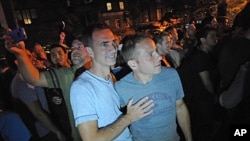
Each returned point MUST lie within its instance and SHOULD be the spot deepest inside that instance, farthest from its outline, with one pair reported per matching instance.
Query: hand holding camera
(14, 40)
(18, 35)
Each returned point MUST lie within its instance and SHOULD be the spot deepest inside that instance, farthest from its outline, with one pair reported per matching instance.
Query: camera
(18, 34)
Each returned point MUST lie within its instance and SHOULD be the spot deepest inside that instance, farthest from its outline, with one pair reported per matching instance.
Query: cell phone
(18, 34)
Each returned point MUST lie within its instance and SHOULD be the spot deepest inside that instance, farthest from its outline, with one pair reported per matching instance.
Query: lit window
(117, 23)
(109, 6)
(121, 5)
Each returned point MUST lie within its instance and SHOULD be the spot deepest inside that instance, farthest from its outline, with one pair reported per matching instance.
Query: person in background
(94, 101)
(54, 98)
(200, 68)
(177, 52)
(236, 46)
(39, 57)
(43, 78)
(163, 46)
(34, 99)
(161, 84)
(59, 56)
(80, 57)
(236, 52)
(175, 37)
(190, 39)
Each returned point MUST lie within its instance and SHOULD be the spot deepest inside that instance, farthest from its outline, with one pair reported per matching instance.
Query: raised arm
(89, 131)
(30, 73)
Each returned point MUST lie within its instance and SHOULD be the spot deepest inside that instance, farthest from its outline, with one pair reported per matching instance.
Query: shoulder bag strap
(57, 81)
(52, 77)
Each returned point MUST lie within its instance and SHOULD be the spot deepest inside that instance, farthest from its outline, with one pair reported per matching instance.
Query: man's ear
(90, 52)
(132, 64)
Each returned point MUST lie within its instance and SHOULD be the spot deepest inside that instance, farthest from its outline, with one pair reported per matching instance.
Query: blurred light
(27, 21)
(121, 5)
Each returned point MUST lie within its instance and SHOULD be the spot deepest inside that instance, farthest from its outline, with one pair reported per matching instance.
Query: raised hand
(62, 37)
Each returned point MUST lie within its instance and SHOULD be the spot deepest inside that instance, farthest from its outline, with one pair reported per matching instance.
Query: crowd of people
(150, 85)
